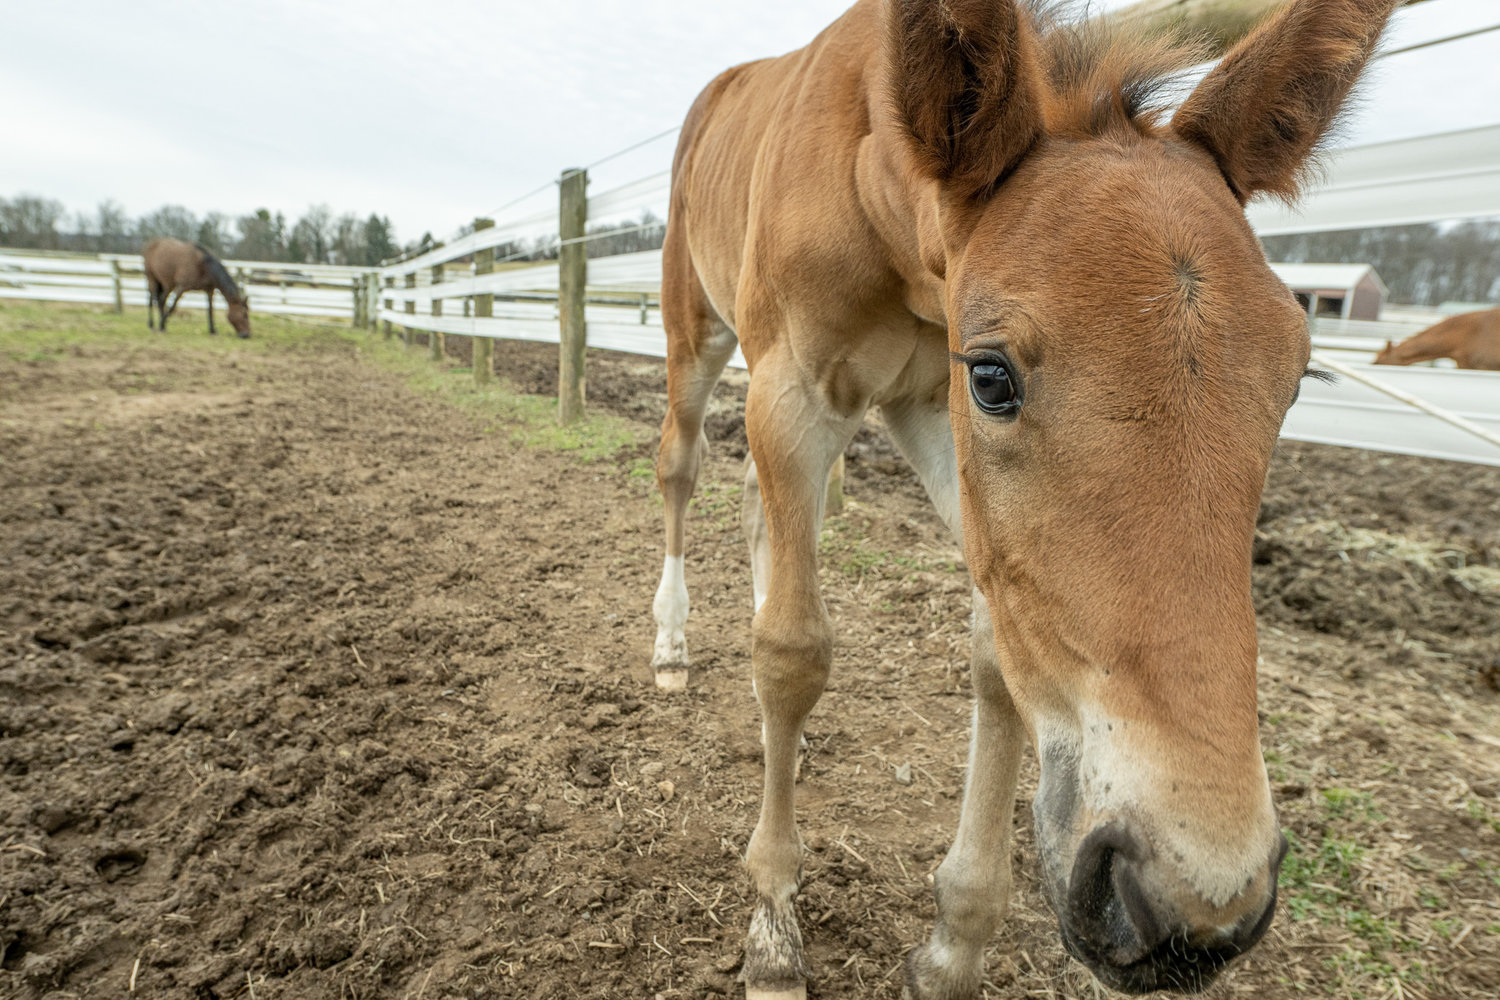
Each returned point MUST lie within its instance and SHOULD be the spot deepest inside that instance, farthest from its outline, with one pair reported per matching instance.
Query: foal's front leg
(794, 441)
(973, 883)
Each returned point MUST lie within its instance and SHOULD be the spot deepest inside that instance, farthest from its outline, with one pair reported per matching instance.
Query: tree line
(31, 222)
(604, 240)
(1421, 264)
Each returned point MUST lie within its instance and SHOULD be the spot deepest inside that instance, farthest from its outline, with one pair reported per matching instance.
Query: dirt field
(322, 676)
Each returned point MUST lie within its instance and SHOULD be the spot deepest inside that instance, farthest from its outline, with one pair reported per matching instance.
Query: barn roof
(1326, 276)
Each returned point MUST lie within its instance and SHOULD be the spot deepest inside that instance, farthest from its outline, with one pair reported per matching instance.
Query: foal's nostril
(1105, 900)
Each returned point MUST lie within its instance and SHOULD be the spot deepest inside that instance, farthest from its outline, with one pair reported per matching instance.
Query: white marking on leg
(670, 656)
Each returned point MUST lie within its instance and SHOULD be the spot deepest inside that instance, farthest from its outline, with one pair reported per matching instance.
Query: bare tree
(113, 227)
(30, 221)
(311, 240)
(169, 220)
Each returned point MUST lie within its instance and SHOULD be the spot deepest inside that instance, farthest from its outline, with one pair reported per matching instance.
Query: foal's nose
(1108, 908)
(1118, 923)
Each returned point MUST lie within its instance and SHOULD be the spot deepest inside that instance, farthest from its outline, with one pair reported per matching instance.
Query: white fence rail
(316, 290)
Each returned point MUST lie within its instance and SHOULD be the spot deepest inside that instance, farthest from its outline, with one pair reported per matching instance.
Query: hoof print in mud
(119, 864)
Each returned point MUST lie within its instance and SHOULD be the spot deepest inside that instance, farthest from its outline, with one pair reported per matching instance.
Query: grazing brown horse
(179, 266)
(982, 221)
(1471, 339)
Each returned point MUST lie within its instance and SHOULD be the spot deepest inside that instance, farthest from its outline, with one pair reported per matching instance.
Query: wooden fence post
(435, 337)
(114, 273)
(357, 289)
(390, 303)
(372, 289)
(411, 307)
(484, 308)
(572, 278)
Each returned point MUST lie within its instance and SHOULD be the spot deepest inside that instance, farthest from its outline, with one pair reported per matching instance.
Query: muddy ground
(319, 679)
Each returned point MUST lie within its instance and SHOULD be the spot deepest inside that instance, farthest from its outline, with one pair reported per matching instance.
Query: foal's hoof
(672, 678)
(753, 992)
(669, 659)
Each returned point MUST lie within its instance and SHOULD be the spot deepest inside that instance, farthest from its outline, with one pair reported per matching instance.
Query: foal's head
(1122, 361)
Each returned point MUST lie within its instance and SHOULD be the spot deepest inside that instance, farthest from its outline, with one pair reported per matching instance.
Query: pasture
(325, 674)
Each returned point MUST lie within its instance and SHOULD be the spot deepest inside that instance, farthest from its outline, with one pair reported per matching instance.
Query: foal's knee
(791, 654)
(677, 460)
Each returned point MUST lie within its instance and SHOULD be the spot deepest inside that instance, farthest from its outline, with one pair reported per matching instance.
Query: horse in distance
(984, 220)
(178, 266)
(1471, 339)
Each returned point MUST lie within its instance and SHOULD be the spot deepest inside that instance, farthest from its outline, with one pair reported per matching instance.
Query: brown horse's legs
(152, 289)
(973, 883)
(794, 440)
(211, 312)
(170, 309)
(692, 374)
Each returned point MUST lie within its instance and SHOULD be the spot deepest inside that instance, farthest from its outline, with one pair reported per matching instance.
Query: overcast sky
(432, 113)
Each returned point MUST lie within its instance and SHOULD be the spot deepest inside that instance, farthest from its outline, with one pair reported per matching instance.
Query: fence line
(315, 290)
(613, 302)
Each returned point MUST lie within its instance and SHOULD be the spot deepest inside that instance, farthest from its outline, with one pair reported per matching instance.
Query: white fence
(321, 290)
(1452, 172)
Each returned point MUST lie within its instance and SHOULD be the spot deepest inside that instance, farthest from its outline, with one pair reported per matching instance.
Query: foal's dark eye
(993, 388)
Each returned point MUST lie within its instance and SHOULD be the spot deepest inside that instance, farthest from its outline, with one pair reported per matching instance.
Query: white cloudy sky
(432, 113)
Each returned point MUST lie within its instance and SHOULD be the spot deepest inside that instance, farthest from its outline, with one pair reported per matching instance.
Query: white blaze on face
(671, 610)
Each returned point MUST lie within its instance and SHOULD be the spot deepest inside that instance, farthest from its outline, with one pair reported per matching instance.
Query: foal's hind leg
(692, 371)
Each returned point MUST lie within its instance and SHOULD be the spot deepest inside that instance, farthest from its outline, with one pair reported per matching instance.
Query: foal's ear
(965, 84)
(1265, 107)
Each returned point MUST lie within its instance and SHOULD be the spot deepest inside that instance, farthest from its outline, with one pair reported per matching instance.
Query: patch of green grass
(1479, 811)
(717, 502)
(1321, 885)
(1321, 877)
(529, 421)
(38, 330)
(1346, 803)
(844, 547)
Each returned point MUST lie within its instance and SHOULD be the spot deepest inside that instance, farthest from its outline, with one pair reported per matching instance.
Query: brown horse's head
(1387, 354)
(1122, 361)
(239, 317)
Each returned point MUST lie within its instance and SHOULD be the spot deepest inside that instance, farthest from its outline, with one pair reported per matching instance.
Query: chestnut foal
(981, 220)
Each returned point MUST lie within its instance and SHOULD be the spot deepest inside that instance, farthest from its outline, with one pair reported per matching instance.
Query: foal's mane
(1105, 76)
(220, 276)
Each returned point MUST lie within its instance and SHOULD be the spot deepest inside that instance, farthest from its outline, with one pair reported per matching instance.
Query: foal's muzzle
(1132, 941)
